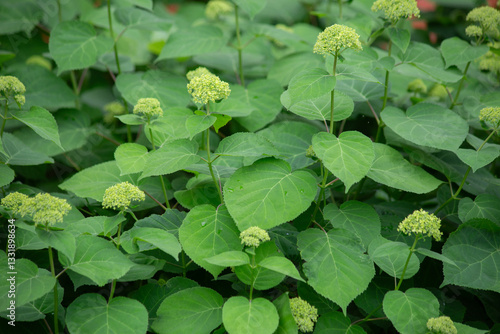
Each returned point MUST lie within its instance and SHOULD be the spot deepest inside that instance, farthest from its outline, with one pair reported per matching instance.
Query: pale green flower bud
(14, 201)
(208, 87)
(10, 86)
(305, 315)
(310, 152)
(113, 109)
(148, 107)
(217, 8)
(439, 91)
(198, 72)
(45, 209)
(20, 99)
(490, 61)
(337, 38)
(441, 325)
(490, 115)
(395, 9)
(119, 196)
(254, 236)
(474, 31)
(488, 19)
(423, 223)
(417, 86)
(40, 61)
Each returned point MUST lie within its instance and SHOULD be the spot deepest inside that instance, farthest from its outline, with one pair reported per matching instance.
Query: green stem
(386, 85)
(4, 117)
(56, 298)
(340, 9)
(183, 259)
(253, 267)
(460, 85)
(75, 89)
(412, 249)
(59, 11)
(112, 292)
(161, 176)
(332, 97)
(239, 48)
(209, 161)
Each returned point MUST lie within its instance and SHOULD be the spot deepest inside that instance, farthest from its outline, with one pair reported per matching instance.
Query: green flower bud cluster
(113, 109)
(198, 72)
(43, 209)
(417, 86)
(474, 31)
(421, 222)
(395, 9)
(305, 315)
(119, 196)
(488, 19)
(148, 107)
(441, 325)
(217, 8)
(254, 236)
(310, 152)
(208, 87)
(11, 87)
(490, 115)
(439, 91)
(337, 38)
(490, 61)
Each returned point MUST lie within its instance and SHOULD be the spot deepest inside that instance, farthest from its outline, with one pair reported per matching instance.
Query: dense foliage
(249, 166)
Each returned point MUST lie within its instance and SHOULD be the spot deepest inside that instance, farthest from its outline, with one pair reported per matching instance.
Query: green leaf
(457, 51)
(236, 105)
(6, 175)
(354, 72)
(170, 221)
(357, 217)
(281, 265)
(162, 239)
(171, 126)
(135, 18)
(349, 157)
(287, 323)
(199, 123)
(19, 16)
(98, 225)
(399, 37)
(435, 256)
(427, 125)
(241, 316)
(206, 232)
(309, 84)
(42, 122)
(474, 248)
(336, 265)
(131, 158)
(409, 311)
(169, 89)
(484, 206)
(20, 154)
(75, 45)
(391, 257)
(478, 159)
(97, 259)
(252, 7)
(63, 241)
(171, 157)
(221, 121)
(336, 323)
(360, 91)
(267, 194)
(196, 310)
(91, 314)
(391, 169)
(229, 259)
(245, 144)
(193, 41)
(284, 69)
(131, 119)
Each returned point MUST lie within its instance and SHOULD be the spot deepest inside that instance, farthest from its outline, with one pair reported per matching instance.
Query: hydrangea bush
(256, 166)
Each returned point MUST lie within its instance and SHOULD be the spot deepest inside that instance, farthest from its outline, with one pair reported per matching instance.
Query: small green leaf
(349, 157)
(162, 239)
(91, 313)
(135, 18)
(436, 256)
(199, 123)
(399, 37)
(409, 311)
(245, 144)
(484, 206)
(336, 323)
(131, 158)
(6, 175)
(20, 154)
(391, 257)
(252, 7)
(281, 265)
(354, 72)
(310, 84)
(75, 45)
(19, 16)
(131, 119)
(457, 51)
(478, 159)
(42, 122)
(63, 241)
(229, 259)
(241, 316)
(287, 323)
(221, 121)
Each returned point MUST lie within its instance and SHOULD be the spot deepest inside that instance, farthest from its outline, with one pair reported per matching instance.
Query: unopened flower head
(488, 18)
(119, 196)
(490, 61)
(208, 87)
(14, 201)
(39, 61)
(113, 109)
(337, 38)
(305, 315)
(396, 9)
(422, 223)
(490, 115)
(11, 87)
(217, 8)
(439, 91)
(254, 236)
(148, 107)
(441, 325)
(417, 86)
(45, 209)
(198, 72)
(474, 31)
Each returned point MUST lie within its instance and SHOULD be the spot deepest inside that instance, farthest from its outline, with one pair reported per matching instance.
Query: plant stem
(75, 88)
(412, 249)
(112, 292)
(239, 48)
(340, 9)
(253, 267)
(209, 161)
(460, 85)
(56, 298)
(183, 259)
(4, 116)
(332, 96)
(161, 176)
(386, 85)
(59, 12)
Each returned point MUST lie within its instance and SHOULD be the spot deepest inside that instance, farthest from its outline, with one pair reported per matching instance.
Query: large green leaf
(399, 37)
(474, 248)
(131, 158)
(20, 154)
(238, 104)
(6, 175)
(456, 51)
(171, 157)
(483, 206)
(92, 314)
(477, 159)
(135, 18)
(75, 45)
(171, 126)
(360, 91)
(206, 232)
(336, 323)
(281, 265)
(391, 257)
(246, 144)
(169, 89)
(193, 41)
(427, 125)
(42, 122)
(267, 194)
(409, 311)
(97, 259)
(349, 157)
(391, 169)
(162, 239)
(63, 241)
(19, 16)
(229, 259)
(196, 310)
(199, 123)
(284, 69)
(336, 265)
(287, 323)
(357, 217)
(242, 316)
(310, 84)
(252, 7)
